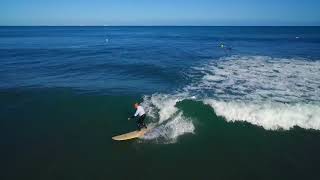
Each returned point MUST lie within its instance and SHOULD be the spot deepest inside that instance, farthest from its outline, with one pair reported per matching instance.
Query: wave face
(274, 93)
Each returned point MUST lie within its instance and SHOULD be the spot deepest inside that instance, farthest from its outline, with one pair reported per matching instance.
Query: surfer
(227, 49)
(142, 115)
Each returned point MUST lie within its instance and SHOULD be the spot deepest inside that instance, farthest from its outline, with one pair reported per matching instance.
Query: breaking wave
(270, 115)
(168, 121)
(274, 93)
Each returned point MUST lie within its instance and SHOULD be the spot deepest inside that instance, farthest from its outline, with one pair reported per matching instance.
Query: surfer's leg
(142, 121)
(138, 125)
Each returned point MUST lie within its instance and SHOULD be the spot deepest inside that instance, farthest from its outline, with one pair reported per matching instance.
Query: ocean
(223, 102)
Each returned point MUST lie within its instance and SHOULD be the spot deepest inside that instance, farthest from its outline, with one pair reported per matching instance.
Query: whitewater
(273, 93)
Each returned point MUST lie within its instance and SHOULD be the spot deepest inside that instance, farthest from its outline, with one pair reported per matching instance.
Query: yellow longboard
(130, 135)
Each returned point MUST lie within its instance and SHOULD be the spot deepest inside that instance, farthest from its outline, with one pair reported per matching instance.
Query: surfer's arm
(135, 115)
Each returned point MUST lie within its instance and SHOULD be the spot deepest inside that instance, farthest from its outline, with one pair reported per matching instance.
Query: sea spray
(167, 120)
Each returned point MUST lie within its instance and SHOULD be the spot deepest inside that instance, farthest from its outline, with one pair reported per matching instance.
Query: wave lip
(271, 116)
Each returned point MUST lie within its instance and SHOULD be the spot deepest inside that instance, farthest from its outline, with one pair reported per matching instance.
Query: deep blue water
(246, 110)
(134, 59)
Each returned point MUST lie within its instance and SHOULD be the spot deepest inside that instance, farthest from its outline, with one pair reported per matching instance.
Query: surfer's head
(136, 105)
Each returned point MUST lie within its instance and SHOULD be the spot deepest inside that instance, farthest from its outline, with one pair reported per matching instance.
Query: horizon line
(159, 25)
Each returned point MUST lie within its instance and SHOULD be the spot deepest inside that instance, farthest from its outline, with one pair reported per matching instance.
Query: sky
(160, 12)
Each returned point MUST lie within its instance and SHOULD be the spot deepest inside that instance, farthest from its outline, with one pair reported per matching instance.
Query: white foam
(163, 104)
(260, 78)
(171, 130)
(271, 115)
(179, 126)
(269, 92)
(168, 121)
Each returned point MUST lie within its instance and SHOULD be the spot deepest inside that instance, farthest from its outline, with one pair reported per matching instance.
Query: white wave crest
(161, 104)
(270, 115)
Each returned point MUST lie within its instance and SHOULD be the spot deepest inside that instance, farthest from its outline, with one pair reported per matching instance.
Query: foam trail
(170, 131)
(259, 78)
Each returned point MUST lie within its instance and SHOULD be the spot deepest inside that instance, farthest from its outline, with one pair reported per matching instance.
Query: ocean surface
(223, 102)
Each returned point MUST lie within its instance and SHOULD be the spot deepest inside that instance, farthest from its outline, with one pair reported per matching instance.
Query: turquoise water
(249, 111)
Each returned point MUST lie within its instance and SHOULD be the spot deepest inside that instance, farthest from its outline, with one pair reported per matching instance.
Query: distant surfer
(227, 49)
(223, 46)
(141, 116)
